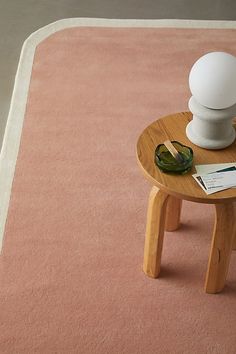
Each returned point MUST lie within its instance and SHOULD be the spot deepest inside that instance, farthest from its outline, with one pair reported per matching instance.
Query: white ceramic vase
(211, 128)
(212, 81)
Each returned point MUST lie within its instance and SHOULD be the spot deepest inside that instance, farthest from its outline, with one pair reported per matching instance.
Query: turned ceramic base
(211, 128)
(209, 143)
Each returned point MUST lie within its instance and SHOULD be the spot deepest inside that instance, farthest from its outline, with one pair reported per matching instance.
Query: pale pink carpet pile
(71, 267)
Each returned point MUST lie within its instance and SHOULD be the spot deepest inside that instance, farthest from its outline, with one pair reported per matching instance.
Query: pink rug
(71, 277)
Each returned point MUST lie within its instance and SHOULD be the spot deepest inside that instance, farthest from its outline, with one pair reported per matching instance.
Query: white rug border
(11, 140)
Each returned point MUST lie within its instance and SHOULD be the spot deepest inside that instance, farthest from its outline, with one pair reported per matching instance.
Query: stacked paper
(216, 177)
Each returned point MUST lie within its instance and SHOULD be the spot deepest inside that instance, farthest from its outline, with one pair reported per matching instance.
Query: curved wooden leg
(154, 232)
(234, 242)
(173, 212)
(221, 247)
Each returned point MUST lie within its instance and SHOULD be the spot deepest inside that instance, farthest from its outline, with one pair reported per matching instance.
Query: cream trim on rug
(11, 140)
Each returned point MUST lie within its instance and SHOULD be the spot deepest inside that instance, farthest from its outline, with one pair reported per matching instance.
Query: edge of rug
(12, 135)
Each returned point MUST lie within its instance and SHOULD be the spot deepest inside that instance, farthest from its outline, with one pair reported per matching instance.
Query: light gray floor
(19, 18)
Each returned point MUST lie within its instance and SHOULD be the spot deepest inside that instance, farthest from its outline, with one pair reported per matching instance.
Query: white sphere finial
(212, 82)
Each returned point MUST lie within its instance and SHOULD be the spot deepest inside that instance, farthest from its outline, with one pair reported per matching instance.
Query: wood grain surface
(221, 247)
(154, 232)
(173, 127)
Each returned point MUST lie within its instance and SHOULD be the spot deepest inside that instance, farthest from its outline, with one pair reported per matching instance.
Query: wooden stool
(169, 190)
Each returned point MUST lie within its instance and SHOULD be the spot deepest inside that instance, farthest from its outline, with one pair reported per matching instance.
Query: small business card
(212, 167)
(216, 181)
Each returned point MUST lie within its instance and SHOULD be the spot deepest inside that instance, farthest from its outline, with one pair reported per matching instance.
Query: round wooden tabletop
(173, 127)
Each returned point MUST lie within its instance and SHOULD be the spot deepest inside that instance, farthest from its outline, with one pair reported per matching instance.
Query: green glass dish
(167, 163)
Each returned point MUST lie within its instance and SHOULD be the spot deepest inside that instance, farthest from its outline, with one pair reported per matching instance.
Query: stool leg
(234, 242)
(221, 247)
(154, 232)
(173, 212)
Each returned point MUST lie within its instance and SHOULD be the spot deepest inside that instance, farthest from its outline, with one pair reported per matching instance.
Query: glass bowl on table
(169, 164)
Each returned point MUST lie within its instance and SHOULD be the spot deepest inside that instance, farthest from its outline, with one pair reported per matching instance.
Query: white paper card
(203, 169)
(219, 179)
(198, 179)
(215, 182)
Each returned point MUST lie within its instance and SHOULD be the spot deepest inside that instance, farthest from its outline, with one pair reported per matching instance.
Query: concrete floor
(19, 18)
